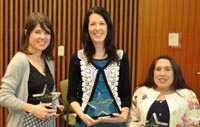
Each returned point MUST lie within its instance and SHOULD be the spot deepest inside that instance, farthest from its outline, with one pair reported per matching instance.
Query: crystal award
(101, 106)
(45, 96)
(155, 122)
(48, 97)
(55, 96)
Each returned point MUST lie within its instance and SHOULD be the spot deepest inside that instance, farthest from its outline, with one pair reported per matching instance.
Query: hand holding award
(47, 97)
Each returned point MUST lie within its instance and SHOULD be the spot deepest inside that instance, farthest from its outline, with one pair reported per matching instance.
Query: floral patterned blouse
(183, 106)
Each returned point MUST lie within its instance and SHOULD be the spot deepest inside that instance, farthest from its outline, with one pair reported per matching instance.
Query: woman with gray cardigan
(29, 71)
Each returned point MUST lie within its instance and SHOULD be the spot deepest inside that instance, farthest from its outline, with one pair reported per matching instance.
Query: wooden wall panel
(158, 18)
(1, 44)
(1, 63)
(67, 18)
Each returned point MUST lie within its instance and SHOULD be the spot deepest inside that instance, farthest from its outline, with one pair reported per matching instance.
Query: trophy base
(58, 110)
(104, 115)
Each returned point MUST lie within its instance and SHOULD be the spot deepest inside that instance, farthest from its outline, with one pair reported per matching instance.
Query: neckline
(161, 101)
(100, 59)
(45, 69)
(170, 92)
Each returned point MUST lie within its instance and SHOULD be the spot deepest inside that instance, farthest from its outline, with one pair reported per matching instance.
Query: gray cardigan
(14, 88)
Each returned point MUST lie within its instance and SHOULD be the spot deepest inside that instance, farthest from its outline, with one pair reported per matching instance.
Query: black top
(160, 110)
(37, 82)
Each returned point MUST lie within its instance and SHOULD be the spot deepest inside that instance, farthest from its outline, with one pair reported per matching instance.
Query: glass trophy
(47, 97)
(55, 96)
(101, 107)
(155, 122)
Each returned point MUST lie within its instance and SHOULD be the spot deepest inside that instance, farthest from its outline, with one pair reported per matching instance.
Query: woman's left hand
(61, 107)
(116, 118)
(52, 115)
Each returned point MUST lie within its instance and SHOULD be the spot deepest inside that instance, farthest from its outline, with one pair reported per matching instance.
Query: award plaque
(47, 97)
(101, 107)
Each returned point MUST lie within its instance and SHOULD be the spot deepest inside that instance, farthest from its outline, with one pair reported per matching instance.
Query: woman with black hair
(164, 99)
(99, 85)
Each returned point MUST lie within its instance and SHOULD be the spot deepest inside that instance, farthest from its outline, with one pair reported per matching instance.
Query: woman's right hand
(40, 111)
(89, 121)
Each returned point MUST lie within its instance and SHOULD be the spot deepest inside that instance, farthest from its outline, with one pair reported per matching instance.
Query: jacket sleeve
(193, 109)
(124, 82)
(134, 114)
(74, 79)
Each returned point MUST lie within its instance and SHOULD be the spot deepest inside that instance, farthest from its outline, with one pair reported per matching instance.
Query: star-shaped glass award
(47, 97)
(101, 106)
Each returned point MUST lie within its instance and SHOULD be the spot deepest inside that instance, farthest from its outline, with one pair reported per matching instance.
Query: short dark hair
(89, 49)
(33, 20)
(178, 83)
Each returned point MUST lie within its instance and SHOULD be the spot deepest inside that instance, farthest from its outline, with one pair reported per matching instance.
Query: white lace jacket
(89, 73)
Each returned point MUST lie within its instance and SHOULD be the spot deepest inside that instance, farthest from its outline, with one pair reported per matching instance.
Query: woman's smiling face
(39, 39)
(97, 28)
(163, 74)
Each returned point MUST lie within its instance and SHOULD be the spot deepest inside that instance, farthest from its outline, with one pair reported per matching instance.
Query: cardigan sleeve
(124, 82)
(74, 79)
(12, 81)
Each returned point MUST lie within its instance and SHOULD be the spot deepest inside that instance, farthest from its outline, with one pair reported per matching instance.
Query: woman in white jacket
(164, 99)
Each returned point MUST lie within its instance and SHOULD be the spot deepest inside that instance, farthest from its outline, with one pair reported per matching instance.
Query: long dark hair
(89, 48)
(31, 23)
(178, 83)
